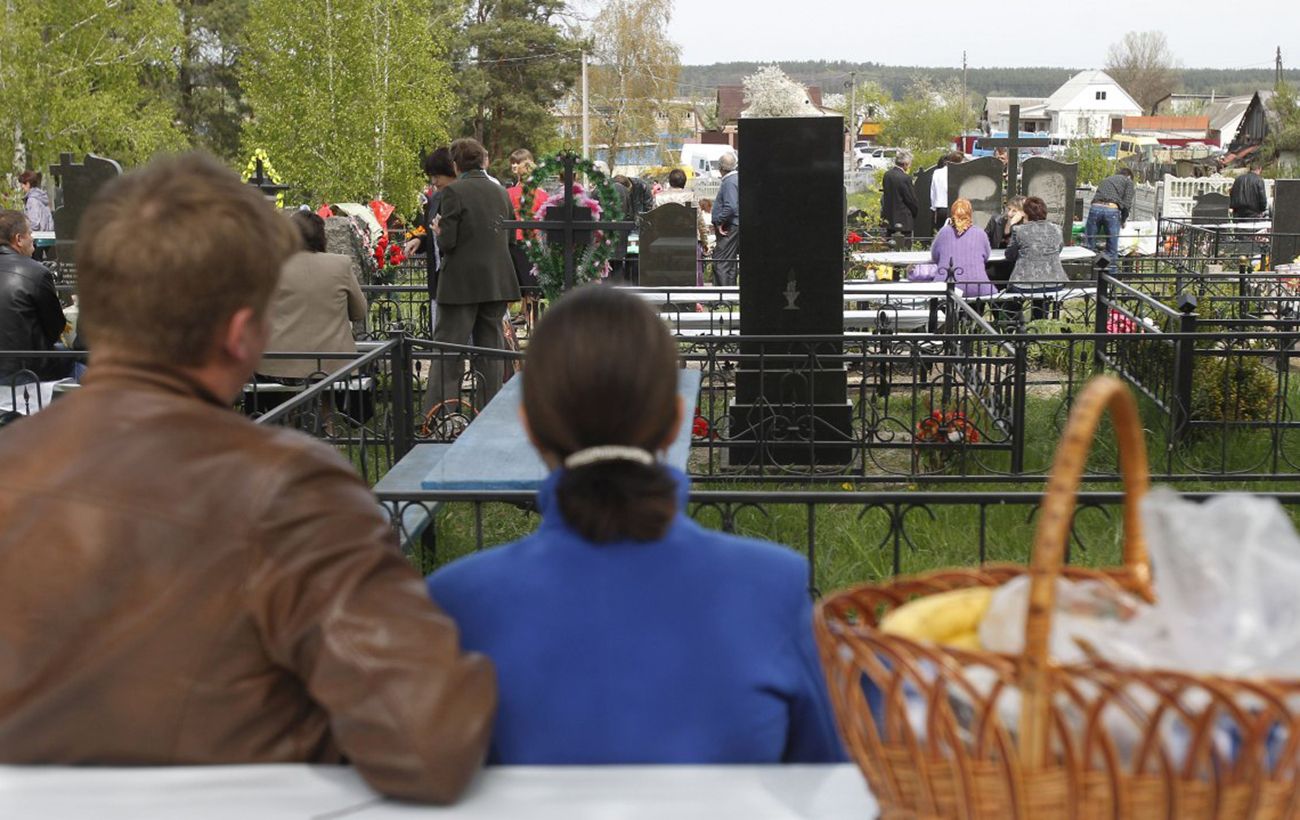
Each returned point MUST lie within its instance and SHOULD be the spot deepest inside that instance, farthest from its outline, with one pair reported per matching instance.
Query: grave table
(1070, 253)
(494, 453)
(280, 792)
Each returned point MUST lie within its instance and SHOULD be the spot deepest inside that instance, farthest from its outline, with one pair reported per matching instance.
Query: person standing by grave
(939, 187)
(1111, 205)
(1248, 198)
(31, 317)
(676, 191)
(1035, 253)
(649, 638)
(222, 592)
(441, 173)
(898, 201)
(477, 282)
(521, 167)
(726, 223)
(964, 251)
(36, 203)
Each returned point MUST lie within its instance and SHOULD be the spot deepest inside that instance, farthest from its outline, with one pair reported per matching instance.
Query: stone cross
(1013, 142)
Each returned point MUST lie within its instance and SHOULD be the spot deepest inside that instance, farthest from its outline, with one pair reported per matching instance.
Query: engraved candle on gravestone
(794, 408)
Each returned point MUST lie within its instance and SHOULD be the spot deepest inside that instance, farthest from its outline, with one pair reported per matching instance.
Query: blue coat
(697, 648)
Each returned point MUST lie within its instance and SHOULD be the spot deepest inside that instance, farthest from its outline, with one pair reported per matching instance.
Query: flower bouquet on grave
(948, 431)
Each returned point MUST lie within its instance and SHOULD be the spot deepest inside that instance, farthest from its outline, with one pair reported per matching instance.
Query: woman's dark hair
(1035, 209)
(438, 164)
(677, 178)
(468, 154)
(32, 178)
(311, 228)
(602, 370)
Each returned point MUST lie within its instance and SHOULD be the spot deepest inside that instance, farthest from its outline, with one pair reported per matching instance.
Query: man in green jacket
(477, 282)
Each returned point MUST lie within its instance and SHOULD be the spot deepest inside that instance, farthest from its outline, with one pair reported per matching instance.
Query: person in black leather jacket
(31, 317)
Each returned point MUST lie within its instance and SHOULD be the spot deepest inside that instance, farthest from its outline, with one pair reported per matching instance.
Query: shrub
(1232, 388)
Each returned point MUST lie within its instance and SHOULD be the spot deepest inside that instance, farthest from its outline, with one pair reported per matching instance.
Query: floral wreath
(268, 169)
(591, 261)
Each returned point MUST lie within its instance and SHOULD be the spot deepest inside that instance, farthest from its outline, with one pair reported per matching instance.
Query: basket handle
(1100, 394)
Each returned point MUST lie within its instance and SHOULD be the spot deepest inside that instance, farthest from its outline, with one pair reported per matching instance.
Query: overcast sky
(1202, 33)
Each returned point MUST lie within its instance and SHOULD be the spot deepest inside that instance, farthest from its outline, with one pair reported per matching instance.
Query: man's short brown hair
(167, 254)
(468, 154)
(12, 223)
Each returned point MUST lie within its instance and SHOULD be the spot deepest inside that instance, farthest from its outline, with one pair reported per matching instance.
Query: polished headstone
(980, 182)
(77, 185)
(669, 235)
(792, 284)
(1286, 221)
(1054, 183)
(1211, 206)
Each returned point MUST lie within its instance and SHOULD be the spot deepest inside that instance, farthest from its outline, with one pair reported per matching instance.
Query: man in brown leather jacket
(180, 586)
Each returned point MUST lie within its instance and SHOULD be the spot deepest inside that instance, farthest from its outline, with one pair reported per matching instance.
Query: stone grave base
(762, 434)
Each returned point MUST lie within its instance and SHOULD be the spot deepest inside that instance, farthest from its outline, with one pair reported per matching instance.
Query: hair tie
(596, 455)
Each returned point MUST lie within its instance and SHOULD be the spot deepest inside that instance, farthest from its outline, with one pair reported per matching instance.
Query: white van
(703, 159)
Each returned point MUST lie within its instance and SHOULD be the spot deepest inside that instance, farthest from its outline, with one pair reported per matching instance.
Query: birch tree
(346, 97)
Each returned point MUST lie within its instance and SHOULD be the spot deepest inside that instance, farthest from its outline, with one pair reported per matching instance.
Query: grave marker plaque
(792, 408)
(979, 181)
(78, 184)
(668, 246)
(1286, 221)
(1053, 182)
(924, 224)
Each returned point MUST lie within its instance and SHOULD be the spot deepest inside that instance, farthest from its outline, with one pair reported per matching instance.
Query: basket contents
(950, 618)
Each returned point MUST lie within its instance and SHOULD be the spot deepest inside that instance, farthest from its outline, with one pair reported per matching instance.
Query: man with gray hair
(898, 202)
(726, 222)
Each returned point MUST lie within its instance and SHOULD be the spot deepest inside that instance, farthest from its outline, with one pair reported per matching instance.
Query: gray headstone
(1053, 182)
(668, 246)
(1286, 221)
(1211, 206)
(78, 184)
(979, 181)
(924, 225)
(792, 284)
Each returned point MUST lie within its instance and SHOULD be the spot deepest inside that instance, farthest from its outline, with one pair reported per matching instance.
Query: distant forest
(701, 80)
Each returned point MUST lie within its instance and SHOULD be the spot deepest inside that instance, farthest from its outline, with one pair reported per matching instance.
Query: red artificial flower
(700, 427)
(853, 238)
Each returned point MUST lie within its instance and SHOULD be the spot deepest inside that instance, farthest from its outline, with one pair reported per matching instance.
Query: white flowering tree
(769, 92)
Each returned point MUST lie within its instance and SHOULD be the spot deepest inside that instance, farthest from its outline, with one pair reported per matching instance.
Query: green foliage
(1094, 165)
(514, 62)
(206, 94)
(1064, 355)
(81, 75)
(344, 97)
(925, 121)
(1232, 388)
(1286, 136)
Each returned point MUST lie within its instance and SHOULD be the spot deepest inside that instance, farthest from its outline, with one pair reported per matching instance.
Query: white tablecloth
(1072, 253)
(502, 793)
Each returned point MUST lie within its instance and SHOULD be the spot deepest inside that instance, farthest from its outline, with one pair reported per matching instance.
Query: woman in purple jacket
(959, 247)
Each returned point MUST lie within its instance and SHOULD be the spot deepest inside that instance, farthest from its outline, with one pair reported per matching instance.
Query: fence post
(1184, 360)
(400, 376)
(1244, 308)
(1101, 308)
(1018, 421)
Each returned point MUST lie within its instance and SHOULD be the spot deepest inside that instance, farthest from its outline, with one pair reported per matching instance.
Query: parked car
(882, 159)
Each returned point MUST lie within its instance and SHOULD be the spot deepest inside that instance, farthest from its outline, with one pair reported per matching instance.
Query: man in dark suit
(898, 203)
(477, 281)
(1249, 198)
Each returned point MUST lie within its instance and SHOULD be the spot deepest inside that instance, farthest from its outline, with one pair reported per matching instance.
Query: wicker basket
(941, 732)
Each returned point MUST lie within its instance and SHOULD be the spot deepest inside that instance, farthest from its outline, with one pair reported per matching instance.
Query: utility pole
(1277, 79)
(586, 122)
(853, 110)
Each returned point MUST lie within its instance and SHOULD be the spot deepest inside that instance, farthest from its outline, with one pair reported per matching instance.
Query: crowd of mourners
(181, 586)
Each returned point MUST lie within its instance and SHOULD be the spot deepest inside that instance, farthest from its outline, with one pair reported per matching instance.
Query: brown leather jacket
(180, 586)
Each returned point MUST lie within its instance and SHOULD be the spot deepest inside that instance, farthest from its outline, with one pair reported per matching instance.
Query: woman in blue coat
(622, 631)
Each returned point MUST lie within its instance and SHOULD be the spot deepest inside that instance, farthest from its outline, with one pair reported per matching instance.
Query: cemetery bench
(414, 520)
(354, 398)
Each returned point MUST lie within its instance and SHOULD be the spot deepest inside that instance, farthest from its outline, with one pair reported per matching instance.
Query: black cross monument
(1013, 142)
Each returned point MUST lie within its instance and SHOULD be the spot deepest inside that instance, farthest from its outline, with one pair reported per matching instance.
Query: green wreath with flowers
(251, 168)
(591, 260)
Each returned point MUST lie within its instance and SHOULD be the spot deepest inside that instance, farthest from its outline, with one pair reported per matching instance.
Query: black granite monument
(1054, 183)
(792, 406)
(979, 181)
(1286, 221)
(924, 224)
(668, 246)
(1211, 206)
(77, 184)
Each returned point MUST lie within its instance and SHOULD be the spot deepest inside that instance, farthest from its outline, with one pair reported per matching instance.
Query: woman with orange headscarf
(963, 250)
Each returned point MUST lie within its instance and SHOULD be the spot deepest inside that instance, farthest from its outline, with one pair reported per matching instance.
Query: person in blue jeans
(1110, 208)
(622, 631)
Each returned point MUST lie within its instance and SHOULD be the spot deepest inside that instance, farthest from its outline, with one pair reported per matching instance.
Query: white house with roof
(1090, 104)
